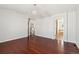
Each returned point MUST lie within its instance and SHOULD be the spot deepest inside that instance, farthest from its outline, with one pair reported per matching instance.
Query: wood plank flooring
(37, 45)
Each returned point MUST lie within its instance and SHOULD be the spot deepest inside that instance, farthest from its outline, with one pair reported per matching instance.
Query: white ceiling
(43, 10)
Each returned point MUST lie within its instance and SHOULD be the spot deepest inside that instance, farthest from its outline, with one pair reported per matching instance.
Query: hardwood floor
(37, 45)
(14, 46)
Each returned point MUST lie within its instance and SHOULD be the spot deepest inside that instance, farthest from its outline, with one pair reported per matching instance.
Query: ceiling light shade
(34, 12)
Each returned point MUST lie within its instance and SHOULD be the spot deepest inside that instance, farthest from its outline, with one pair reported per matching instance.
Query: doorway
(59, 28)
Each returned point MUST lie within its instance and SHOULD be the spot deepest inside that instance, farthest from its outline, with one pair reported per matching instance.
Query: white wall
(72, 26)
(77, 27)
(45, 27)
(13, 25)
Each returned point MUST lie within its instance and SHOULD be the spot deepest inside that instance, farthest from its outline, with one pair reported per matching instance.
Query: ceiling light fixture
(34, 11)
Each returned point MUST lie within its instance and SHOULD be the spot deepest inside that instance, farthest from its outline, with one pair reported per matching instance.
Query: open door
(59, 28)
